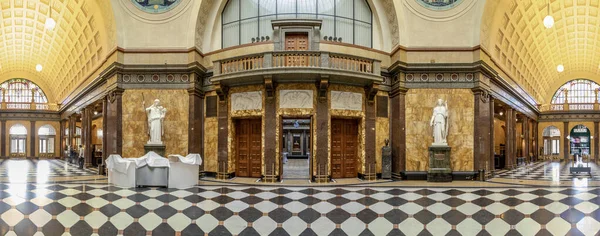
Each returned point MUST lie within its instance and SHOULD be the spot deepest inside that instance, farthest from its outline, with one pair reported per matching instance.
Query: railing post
(268, 60)
(565, 107)
(377, 67)
(325, 60)
(217, 68)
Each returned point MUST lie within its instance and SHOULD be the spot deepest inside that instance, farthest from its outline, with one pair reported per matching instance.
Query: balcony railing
(28, 106)
(570, 107)
(334, 62)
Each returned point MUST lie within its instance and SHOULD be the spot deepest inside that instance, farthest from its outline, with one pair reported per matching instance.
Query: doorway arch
(18, 140)
(47, 135)
(579, 139)
(551, 140)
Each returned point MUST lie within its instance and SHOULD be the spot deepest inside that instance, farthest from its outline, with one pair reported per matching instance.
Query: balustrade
(29, 106)
(297, 59)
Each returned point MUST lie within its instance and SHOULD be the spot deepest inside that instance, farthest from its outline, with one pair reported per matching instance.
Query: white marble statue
(439, 122)
(156, 115)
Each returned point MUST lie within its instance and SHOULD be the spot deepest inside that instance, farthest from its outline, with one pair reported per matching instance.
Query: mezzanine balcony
(295, 66)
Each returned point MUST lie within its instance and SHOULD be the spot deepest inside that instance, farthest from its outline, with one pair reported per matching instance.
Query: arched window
(576, 91)
(18, 129)
(21, 91)
(46, 130)
(350, 20)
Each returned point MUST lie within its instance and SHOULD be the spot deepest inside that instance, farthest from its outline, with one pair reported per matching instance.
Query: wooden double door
(248, 135)
(296, 42)
(344, 148)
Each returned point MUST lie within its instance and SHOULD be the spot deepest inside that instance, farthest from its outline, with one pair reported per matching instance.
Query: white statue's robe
(156, 114)
(440, 113)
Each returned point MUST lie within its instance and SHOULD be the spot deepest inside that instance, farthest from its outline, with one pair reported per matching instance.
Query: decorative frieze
(246, 101)
(296, 99)
(569, 116)
(346, 101)
(21, 115)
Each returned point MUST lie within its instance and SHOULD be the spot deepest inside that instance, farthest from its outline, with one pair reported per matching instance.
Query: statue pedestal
(158, 148)
(439, 164)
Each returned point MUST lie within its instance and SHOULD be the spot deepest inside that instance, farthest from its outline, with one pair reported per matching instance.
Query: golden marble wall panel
(98, 122)
(243, 114)
(211, 141)
(419, 107)
(135, 130)
(499, 134)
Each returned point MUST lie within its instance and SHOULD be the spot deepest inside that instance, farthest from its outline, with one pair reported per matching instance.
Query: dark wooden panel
(255, 148)
(337, 151)
(211, 106)
(382, 106)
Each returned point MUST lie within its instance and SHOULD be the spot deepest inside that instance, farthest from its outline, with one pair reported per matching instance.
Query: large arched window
(350, 20)
(576, 91)
(21, 91)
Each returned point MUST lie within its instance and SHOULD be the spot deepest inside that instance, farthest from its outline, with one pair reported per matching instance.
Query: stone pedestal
(158, 148)
(439, 164)
(386, 162)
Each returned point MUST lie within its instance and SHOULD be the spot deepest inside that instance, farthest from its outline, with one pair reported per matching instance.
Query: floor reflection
(555, 172)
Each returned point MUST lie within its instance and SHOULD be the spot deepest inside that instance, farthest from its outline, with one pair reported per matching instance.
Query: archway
(551, 137)
(47, 135)
(579, 139)
(18, 140)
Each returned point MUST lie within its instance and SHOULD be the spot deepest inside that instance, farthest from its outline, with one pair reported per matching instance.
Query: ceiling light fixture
(38, 67)
(95, 112)
(560, 68)
(548, 20)
(50, 23)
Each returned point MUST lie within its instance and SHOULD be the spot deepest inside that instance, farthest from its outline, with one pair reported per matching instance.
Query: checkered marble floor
(75, 209)
(45, 168)
(548, 170)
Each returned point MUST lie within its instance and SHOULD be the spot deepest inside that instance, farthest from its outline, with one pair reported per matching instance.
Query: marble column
(370, 136)
(61, 138)
(596, 142)
(567, 141)
(113, 131)
(322, 154)
(510, 149)
(223, 134)
(483, 128)
(86, 134)
(72, 125)
(270, 124)
(535, 145)
(104, 126)
(32, 133)
(196, 123)
(398, 135)
(3, 132)
(526, 138)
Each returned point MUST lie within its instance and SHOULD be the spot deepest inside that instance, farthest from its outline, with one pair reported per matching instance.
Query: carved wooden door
(296, 42)
(249, 147)
(344, 139)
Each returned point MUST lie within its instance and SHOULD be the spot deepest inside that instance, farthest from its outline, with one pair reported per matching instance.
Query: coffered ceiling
(514, 34)
(68, 53)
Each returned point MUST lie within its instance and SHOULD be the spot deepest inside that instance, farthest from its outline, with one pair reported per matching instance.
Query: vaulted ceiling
(514, 35)
(68, 53)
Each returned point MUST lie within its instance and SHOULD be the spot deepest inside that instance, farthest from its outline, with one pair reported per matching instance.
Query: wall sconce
(568, 137)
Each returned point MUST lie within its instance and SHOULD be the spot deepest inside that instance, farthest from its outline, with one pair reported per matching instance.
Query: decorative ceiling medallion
(439, 5)
(155, 6)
